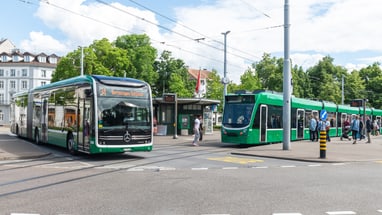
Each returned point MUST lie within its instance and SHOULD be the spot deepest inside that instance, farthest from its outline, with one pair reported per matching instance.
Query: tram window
(274, 116)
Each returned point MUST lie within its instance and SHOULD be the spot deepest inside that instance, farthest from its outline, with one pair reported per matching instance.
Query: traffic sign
(323, 114)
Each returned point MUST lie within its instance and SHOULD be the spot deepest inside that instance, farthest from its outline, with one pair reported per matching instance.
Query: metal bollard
(323, 144)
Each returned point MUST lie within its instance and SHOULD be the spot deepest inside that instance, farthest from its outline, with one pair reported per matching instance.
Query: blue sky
(349, 31)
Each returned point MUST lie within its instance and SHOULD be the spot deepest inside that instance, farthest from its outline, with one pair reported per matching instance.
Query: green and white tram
(89, 114)
(256, 117)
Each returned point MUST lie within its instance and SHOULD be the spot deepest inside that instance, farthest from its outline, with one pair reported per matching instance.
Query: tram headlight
(243, 132)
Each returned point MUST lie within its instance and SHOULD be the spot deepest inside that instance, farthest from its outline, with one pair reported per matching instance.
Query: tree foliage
(173, 77)
(133, 56)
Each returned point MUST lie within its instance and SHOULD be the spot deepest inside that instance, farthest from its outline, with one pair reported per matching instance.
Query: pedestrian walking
(361, 131)
(327, 128)
(196, 130)
(375, 128)
(355, 128)
(313, 128)
(369, 127)
(201, 130)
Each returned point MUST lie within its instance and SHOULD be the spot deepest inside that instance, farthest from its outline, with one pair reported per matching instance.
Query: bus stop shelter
(169, 119)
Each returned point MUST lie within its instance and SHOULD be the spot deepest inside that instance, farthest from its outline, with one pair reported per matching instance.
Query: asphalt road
(177, 179)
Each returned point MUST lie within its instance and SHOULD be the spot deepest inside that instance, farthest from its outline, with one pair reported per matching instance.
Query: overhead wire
(160, 26)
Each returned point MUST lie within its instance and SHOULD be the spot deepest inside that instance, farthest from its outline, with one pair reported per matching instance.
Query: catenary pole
(225, 81)
(82, 60)
(287, 81)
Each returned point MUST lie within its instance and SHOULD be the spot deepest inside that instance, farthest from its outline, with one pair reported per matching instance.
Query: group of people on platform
(316, 126)
(355, 126)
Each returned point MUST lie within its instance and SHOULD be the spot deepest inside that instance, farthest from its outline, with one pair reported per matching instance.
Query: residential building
(21, 71)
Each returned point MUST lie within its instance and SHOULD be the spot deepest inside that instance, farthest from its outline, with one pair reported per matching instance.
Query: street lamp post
(82, 60)
(225, 81)
(286, 81)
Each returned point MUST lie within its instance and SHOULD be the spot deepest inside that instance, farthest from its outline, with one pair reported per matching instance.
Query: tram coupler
(323, 144)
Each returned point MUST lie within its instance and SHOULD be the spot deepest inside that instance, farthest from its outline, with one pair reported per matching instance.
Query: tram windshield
(238, 111)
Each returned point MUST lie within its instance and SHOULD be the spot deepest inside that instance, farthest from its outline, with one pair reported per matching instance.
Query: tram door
(263, 123)
(84, 119)
(300, 123)
(44, 120)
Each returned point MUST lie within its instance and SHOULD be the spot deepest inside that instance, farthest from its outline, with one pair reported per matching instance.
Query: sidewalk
(337, 150)
(15, 148)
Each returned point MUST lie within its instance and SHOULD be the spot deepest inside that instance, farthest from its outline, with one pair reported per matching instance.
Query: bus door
(44, 120)
(300, 123)
(263, 123)
(84, 122)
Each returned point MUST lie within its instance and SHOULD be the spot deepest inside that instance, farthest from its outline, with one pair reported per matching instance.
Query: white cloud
(320, 27)
(39, 42)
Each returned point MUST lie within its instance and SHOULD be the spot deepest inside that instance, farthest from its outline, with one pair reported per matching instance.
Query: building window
(53, 60)
(1, 115)
(24, 84)
(24, 72)
(42, 59)
(15, 58)
(1, 84)
(43, 83)
(1, 98)
(13, 72)
(1, 72)
(4, 58)
(13, 84)
(27, 58)
(43, 73)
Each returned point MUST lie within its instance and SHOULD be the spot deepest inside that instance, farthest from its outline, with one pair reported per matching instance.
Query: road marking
(380, 211)
(290, 166)
(260, 167)
(287, 214)
(338, 164)
(340, 212)
(230, 168)
(23, 214)
(201, 168)
(314, 165)
(236, 160)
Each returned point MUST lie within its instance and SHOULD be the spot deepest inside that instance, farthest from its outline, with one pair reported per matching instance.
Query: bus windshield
(237, 111)
(122, 107)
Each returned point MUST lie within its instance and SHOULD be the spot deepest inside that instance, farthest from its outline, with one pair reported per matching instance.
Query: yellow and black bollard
(323, 144)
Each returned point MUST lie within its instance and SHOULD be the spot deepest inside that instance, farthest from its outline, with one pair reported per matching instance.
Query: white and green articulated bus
(89, 114)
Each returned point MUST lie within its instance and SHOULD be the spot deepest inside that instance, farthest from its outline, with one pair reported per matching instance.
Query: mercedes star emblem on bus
(127, 137)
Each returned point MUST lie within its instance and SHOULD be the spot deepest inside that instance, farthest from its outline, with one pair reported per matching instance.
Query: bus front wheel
(70, 145)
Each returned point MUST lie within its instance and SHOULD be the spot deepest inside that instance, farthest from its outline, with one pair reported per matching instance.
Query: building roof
(195, 72)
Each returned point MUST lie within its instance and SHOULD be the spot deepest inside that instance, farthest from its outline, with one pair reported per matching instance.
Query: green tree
(372, 77)
(269, 72)
(301, 83)
(326, 80)
(354, 87)
(173, 77)
(249, 81)
(141, 55)
(215, 88)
